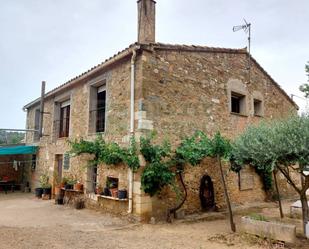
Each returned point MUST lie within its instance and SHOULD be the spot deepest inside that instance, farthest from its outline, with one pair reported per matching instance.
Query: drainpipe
(131, 174)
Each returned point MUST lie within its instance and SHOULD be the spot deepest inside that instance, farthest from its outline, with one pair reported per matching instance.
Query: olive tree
(279, 145)
(305, 87)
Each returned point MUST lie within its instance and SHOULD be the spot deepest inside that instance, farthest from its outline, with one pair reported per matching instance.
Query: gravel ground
(28, 223)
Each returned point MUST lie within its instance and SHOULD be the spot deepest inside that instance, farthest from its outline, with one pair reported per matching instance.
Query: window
(97, 117)
(238, 103)
(66, 161)
(37, 118)
(64, 122)
(258, 108)
(100, 115)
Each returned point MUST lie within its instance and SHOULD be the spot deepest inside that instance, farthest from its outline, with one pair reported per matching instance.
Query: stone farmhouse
(172, 89)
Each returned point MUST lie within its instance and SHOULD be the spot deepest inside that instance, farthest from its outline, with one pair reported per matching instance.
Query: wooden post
(279, 198)
(42, 109)
(233, 227)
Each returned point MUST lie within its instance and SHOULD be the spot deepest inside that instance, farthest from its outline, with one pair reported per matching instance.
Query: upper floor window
(238, 103)
(97, 118)
(101, 104)
(258, 107)
(64, 121)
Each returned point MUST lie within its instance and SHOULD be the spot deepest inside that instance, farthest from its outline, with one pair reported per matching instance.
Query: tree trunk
(173, 210)
(279, 198)
(233, 227)
(304, 204)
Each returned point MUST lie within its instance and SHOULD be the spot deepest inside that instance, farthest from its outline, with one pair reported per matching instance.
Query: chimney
(146, 21)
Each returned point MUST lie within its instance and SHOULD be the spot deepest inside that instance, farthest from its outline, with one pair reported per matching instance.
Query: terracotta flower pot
(114, 192)
(57, 190)
(78, 186)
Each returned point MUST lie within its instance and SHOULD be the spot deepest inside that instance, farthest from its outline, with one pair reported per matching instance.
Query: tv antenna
(247, 29)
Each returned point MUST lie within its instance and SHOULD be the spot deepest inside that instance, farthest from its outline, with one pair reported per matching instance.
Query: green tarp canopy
(18, 150)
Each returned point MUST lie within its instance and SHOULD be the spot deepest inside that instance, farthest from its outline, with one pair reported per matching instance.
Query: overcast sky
(55, 40)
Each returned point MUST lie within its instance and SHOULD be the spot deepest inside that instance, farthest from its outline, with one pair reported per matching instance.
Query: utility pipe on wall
(132, 104)
(42, 109)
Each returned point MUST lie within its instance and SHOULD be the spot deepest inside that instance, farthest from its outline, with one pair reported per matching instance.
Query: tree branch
(287, 176)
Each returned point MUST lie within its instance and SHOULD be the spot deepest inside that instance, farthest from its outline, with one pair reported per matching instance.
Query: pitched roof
(153, 46)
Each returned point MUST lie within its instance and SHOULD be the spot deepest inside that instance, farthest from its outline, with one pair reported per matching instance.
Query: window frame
(242, 103)
(95, 85)
(260, 112)
(64, 115)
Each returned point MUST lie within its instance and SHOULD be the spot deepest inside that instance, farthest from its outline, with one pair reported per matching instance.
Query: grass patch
(259, 217)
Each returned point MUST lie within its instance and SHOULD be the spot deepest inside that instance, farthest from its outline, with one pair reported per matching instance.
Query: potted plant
(38, 192)
(64, 181)
(45, 185)
(70, 183)
(122, 194)
(78, 186)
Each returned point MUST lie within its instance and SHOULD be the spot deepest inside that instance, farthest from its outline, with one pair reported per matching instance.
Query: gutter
(132, 131)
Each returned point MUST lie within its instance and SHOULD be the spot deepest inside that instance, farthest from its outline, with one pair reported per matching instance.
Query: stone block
(145, 124)
(140, 115)
(269, 229)
(137, 188)
(143, 208)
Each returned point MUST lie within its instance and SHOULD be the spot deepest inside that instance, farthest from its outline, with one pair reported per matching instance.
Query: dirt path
(27, 223)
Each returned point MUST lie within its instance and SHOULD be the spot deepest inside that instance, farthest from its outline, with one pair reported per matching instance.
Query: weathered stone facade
(178, 90)
(188, 89)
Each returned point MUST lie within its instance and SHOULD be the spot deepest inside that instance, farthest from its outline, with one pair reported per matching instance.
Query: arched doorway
(207, 195)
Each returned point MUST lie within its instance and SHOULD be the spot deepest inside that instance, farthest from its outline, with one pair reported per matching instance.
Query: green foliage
(11, 137)
(107, 153)
(259, 217)
(265, 146)
(156, 176)
(193, 149)
(110, 153)
(157, 172)
(154, 153)
(220, 146)
(82, 146)
(305, 87)
(44, 181)
(130, 156)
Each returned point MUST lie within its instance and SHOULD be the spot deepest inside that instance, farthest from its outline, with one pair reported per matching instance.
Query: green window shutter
(66, 161)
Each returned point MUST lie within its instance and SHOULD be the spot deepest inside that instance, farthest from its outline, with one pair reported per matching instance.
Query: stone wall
(188, 91)
(177, 93)
(117, 80)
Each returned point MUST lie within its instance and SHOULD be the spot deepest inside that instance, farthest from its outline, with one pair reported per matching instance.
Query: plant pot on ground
(38, 192)
(58, 190)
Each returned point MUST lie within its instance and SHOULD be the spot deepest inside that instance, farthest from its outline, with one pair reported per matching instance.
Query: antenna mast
(247, 29)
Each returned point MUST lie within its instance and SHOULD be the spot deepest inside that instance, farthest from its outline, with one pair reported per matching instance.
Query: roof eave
(126, 52)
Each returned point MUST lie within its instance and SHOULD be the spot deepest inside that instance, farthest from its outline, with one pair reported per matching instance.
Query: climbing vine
(107, 153)
(157, 173)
